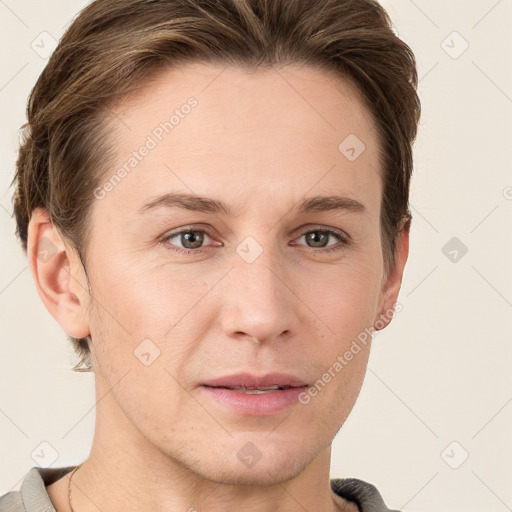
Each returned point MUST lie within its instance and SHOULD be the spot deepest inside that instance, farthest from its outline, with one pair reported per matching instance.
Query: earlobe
(51, 265)
(393, 281)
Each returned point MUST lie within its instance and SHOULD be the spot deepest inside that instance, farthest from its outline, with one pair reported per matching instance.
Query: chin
(255, 459)
(260, 474)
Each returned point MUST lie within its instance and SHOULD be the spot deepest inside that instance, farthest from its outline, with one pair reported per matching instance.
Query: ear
(393, 281)
(58, 274)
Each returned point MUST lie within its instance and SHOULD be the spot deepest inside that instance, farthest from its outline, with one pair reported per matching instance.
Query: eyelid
(334, 231)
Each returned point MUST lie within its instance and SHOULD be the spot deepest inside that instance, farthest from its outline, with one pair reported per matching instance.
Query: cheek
(141, 309)
(347, 299)
(138, 296)
(347, 307)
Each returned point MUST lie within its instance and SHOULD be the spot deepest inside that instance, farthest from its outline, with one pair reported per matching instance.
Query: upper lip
(249, 380)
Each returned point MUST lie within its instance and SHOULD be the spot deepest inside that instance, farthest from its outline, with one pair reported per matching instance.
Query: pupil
(314, 238)
(195, 239)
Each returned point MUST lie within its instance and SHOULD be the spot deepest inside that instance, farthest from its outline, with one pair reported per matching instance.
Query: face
(264, 278)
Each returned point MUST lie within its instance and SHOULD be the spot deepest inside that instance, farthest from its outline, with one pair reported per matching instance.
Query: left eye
(320, 237)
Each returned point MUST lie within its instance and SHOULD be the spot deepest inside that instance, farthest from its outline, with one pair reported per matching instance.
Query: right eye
(191, 240)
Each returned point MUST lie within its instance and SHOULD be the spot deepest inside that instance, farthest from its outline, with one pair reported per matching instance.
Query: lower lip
(263, 404)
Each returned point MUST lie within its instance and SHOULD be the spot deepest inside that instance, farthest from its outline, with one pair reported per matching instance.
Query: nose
(258, 302)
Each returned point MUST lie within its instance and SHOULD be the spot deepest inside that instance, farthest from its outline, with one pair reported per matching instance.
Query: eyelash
(339, 235)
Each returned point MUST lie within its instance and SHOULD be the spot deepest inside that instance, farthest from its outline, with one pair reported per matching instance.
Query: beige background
(438, 386)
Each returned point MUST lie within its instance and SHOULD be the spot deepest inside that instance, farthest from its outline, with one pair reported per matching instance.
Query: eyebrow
(207, 205)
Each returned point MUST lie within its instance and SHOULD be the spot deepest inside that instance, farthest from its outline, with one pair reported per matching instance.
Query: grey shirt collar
(32, 496)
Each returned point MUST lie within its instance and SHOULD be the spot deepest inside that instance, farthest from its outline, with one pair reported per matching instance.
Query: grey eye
(317, 238)
(190, 239)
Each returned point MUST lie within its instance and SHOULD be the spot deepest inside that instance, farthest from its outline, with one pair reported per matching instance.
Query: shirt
(32, 496)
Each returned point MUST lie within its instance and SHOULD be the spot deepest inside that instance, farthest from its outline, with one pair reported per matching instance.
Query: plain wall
(439, 382)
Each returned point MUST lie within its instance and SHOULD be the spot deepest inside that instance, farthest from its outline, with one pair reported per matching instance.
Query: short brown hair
(115, 46)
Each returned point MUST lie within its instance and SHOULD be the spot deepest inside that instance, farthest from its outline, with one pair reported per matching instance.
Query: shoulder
(12, 502)
(364, 494)
(32, 496)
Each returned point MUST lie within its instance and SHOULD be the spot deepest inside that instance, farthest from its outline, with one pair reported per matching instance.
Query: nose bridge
(257, 298)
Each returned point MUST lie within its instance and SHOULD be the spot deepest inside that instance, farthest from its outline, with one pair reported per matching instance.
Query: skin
(260, 142)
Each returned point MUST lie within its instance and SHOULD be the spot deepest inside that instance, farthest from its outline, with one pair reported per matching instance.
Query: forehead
(214, 130)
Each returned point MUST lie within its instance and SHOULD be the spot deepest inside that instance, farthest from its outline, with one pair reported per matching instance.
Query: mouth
(248, 381)
(253, 395)
(254, 390)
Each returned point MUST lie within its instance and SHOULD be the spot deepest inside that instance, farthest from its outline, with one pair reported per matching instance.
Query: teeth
(253, 390)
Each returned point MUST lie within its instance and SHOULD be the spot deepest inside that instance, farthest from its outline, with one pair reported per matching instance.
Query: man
(220, 194)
